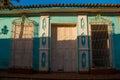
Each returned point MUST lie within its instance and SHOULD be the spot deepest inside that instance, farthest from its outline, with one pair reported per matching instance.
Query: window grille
(100, 46)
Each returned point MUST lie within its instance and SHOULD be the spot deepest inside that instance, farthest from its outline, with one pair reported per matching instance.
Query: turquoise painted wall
(63, 19)
(5, 41)
(36, 42)
(115, 39)
(115, 34)
(6, 35)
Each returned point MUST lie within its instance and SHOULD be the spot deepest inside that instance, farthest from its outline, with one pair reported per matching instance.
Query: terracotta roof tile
(64, 5)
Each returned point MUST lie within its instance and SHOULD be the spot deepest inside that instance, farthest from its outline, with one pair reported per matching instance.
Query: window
(100, 42)
(100, 46)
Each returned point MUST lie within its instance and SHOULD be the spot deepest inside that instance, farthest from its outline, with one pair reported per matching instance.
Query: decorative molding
(44, 43)
(100, 20)
(4, 30)
(22, 20)
(43, 56)
(82, 43)
(84, 60)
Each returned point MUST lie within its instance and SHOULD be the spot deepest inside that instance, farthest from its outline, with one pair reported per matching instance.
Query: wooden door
(63, 48)
(22, 46)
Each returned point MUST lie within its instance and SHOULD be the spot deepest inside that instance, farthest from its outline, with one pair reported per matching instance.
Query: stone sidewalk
(39, 76)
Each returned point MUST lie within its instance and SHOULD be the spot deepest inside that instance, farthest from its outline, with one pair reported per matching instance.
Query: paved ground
(39, 76)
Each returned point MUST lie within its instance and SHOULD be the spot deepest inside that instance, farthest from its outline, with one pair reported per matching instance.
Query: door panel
(63, 48)
(22, 46)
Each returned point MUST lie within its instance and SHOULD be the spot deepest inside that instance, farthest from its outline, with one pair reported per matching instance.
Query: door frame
(66, 24)
(99, 20)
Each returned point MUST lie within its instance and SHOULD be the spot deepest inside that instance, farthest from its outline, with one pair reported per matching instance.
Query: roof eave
(61, 10)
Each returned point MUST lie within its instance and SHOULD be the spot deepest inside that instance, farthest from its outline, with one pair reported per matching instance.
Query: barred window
(100, 46)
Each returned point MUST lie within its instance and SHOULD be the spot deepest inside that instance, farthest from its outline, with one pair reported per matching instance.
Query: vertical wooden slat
(64, 54)
(22, 46)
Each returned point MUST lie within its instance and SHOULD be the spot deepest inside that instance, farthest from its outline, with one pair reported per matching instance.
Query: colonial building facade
(60, 37)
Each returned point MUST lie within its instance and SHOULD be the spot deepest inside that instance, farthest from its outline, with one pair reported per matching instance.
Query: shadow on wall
(6, 50)
(6, 47)
(21, 44)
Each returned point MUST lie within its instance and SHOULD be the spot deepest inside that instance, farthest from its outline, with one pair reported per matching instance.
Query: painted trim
(44, 43)
(83, 43)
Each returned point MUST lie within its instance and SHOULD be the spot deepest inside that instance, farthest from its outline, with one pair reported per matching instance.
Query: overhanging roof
(51, 8)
